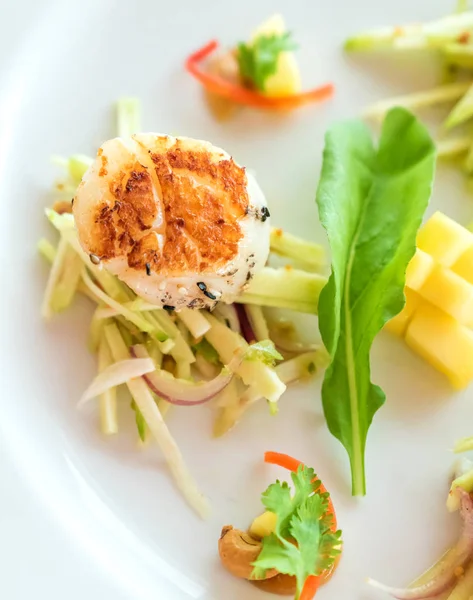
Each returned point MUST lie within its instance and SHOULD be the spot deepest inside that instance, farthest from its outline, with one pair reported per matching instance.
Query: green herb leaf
(371, 202)
(263, 351)
(259, 60)
(302, 518)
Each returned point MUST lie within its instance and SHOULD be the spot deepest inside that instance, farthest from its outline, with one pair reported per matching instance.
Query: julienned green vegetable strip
(434, 34)
(438, 95)
(111, 285)
(194, 321)
(288, 371)
(285, 288)
(128, 117)
(409, 36)
(371, 202)
(183, 367)
(77, 166)
(453, 147)
(254, 373)
(272, 302)
(157, 356)
(133, 317)
(148, 408)
(181, 351)
(54, 275)
(464, 481)
(68, 281)
(95, 329)
(463, 445)
(469, 160)
(462, 111)
(107, 400)
(258, 322)
(308, 255)
(460, 55)
(47, 250)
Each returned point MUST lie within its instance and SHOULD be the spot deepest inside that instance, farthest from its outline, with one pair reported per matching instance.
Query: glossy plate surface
(84, 517)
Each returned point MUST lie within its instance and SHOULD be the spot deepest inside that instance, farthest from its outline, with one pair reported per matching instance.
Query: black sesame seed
(94, 259)
(169, 308)
(209, 295)
(264, 214)
(201, 285)
(72, 202)
(148, 269)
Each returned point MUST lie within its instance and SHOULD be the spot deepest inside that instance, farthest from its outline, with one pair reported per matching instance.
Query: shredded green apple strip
(371, 202)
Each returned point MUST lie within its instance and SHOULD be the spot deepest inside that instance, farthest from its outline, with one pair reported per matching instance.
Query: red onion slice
(245, 324)
(179, 391)
(460, 554)
(116, 374)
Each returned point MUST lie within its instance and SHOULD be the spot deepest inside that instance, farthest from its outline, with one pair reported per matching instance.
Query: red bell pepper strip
(241, 95)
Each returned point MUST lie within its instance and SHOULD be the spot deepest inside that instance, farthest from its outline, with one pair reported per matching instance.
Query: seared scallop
(176, 219)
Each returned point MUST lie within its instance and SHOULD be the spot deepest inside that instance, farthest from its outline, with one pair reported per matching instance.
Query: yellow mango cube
(420, 267)
(263, 525)
(287, 79)
(275, 25)
(464, 265)
(449, 292)
(444, 239)
(399, 323)
(443, 342)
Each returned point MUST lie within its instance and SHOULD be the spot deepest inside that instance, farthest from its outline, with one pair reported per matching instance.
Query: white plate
(87, 518)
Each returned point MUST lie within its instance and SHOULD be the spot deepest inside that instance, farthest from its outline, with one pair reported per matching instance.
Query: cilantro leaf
(303, 543)
(278, 552)
(317, 545)
(263, 351)
(259, 60)
(277, 499)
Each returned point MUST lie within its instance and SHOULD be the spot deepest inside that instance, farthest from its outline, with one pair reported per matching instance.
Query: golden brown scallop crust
(203, 198)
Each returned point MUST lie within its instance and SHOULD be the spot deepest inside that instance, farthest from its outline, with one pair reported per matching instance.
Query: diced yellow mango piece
(464, 265)
(263, 525)
(449, 292)
(275, 25)
(287, 79)
(399, 323)
(443, 342)
(444, 239)
(420, 267)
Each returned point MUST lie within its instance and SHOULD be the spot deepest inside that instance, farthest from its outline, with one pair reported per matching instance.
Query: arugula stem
(357, 458)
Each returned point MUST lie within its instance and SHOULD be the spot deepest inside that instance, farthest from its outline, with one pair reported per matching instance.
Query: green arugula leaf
(371, 202)
(302, 543)
(263, 351)
(259, 60)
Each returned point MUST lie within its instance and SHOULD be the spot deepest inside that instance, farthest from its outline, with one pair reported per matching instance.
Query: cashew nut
(284, 585)
(238, 551)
